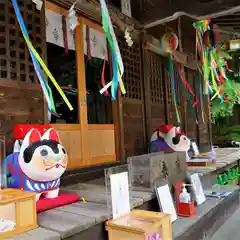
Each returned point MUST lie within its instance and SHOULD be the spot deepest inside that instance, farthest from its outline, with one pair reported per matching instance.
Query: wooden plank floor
(64, 222)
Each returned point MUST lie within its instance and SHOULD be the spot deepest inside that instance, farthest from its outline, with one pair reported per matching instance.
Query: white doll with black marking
(37, 164)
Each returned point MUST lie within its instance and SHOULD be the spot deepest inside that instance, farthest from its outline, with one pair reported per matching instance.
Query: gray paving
(230, 229)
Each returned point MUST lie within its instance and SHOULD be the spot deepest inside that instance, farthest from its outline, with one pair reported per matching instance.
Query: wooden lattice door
(156, 104)
(133, 101)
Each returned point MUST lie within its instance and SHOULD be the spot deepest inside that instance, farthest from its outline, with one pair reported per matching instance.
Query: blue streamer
(36, 64)
(115, 77)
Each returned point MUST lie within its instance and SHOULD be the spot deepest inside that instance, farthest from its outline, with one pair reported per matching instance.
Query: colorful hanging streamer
(214, 66)
(189, 89)
(201, 97)
(103, 72)
(117, 63)
(171, 73)
(37, 61)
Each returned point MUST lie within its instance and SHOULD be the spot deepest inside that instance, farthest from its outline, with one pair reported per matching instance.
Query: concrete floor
(230, 229)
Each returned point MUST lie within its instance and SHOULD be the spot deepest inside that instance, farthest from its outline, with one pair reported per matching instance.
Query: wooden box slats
(138, 224)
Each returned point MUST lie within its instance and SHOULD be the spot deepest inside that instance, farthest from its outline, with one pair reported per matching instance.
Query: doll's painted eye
(64, 151)
(44, 152)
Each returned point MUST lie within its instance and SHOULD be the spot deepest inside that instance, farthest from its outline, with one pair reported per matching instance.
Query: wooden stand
(201, 162)
(137, 224)
(20, 207)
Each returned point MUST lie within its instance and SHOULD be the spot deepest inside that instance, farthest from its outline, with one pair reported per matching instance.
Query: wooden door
(86, 144)
(72, 134)
(100, 130)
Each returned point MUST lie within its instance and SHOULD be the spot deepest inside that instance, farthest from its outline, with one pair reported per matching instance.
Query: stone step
(37, 234)
(209, 217)
(86, 220)
(230, 229)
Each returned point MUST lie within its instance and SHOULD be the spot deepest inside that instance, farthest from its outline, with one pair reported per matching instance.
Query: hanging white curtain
(54, 34)
(54, 30)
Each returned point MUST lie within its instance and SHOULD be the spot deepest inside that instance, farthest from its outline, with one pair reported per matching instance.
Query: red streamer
(103, 71)
(195, 98)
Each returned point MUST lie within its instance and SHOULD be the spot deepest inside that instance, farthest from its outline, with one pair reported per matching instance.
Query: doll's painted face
(180, 143)
(42, 158)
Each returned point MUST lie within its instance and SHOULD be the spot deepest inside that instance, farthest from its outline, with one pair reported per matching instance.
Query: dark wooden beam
(92, 10)
(226, 20)
(167, 11)
(228, 24)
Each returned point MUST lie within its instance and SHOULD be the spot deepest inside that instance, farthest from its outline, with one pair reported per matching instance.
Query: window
(97, 68)
(63, 68)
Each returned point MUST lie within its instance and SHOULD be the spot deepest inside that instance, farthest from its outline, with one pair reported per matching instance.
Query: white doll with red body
(168, 138)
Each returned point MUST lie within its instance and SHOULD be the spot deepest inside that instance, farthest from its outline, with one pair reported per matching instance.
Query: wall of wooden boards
(18, 106)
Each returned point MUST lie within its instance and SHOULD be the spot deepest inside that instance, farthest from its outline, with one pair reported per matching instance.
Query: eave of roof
(195, 9)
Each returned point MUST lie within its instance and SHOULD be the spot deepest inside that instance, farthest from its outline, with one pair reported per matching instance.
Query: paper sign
(120, 194)
(126, 7)
(166, 202)
(197, 189)
(195, 148)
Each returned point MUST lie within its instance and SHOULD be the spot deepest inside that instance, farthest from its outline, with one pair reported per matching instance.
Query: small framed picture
(165, 201)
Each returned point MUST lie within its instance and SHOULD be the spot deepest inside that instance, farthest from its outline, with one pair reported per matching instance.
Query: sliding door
(79, 62)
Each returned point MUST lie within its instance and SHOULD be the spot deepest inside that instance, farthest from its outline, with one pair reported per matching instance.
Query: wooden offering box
(138, 224)
(17, 212)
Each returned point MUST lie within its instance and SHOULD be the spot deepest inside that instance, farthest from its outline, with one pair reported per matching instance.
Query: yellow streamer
(48, 72)
(121, 85)
(177, 113)
(215, 84)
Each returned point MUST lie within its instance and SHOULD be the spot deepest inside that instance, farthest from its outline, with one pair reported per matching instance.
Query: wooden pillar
(118, 128)
(184, 113)
(143, 79)
(44, 54)
(146, 91)
(209, 121)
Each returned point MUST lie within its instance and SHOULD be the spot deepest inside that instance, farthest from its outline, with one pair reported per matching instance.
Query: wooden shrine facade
(92, 139)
